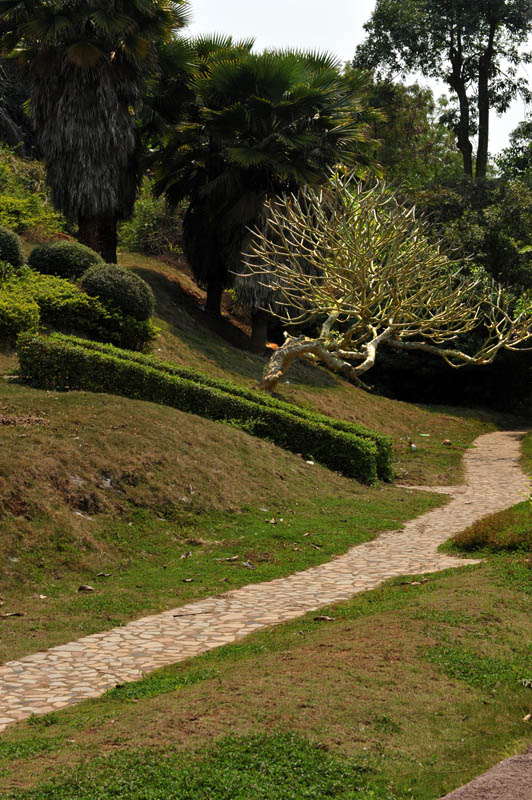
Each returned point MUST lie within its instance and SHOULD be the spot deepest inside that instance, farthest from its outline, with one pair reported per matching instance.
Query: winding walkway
(86, 668)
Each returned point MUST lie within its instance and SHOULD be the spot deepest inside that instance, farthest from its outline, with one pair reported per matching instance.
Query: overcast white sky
(332, 25)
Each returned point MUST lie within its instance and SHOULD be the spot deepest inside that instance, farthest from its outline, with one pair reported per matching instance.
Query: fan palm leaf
(86, 62)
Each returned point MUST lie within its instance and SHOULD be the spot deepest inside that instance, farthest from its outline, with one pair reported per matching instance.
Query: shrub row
(59, 363)
(382, 442)
(28, 297)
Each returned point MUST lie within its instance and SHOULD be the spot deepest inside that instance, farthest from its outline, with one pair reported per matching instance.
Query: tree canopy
(475, 47)
(85, 62)
(261, 124)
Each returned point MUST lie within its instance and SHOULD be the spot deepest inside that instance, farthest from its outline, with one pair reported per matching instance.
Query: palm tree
(262, 125)
(86, 62)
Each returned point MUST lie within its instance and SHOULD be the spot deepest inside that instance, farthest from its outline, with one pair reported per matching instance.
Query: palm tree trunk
(108, 239)
(214, 298)
(259, 330)
(89, 232)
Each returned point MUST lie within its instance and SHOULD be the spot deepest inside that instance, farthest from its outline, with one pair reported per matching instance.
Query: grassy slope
(158, 484)
(189, 485)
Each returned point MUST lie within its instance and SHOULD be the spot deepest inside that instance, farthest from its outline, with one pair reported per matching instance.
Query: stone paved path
(72, 672)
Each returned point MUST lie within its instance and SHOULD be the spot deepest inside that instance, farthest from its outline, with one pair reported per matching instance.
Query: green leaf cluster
(30, 299)
(24, 200)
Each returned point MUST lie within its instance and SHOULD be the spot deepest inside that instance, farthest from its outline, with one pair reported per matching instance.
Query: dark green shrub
(10, 249)
(382, 442)
(57, 363)
(66, 307)
(64, 259)
(18, 313)
(121, 288)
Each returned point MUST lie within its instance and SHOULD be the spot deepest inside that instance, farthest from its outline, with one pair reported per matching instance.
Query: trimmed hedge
(59, 363)
(64, 259)
(122, 288)
(10, 248)
(382, 442)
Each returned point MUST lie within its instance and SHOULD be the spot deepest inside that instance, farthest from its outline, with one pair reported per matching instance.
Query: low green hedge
(57, 363)
(382, 442)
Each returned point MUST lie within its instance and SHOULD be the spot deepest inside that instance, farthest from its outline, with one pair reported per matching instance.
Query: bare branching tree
(363, 270)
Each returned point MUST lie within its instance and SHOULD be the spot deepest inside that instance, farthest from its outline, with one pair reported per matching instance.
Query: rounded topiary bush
(65, 259)
(122, 288)
(10, 249)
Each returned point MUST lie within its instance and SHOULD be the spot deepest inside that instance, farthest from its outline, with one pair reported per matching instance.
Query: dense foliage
(473, 47)
(10, 248)
(257, 125)
(121, 288)
(65, 259)
(30, 298)
(85, 63)
(155, 227)
(25, 204)
(56, 363)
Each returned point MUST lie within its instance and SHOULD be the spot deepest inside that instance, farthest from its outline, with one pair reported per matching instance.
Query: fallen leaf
(527, 717)
(324, 618)
(104, 575)
(188, 580)
(186, 555)
(43, 596)
(307, 534)
(85, 588)
(248, 565)
(271, 521)
(229, 558)
(315, 546)
(12, 614)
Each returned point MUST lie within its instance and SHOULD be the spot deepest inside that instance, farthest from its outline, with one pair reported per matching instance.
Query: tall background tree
(473, 46)
(260, 125)
(86, 62)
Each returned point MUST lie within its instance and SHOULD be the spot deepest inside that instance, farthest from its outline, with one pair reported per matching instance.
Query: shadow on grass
(183, 313)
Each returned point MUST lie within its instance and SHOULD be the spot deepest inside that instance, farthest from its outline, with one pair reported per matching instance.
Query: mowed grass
(407, 692)
(153, 508)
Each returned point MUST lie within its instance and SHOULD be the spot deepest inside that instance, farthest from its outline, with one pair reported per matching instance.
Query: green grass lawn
(408, 692)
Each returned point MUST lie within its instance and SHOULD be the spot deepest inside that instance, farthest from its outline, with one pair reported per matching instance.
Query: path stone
(73, 672)
(510, 779)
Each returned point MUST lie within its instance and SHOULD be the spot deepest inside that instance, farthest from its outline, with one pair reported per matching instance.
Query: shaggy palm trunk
(89, 232)
(108, 239)
(100, 234)
(259, 330)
